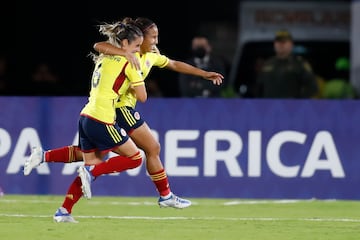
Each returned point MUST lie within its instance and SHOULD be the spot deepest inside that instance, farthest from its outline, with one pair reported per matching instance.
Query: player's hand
(133, 60)
(215, 77)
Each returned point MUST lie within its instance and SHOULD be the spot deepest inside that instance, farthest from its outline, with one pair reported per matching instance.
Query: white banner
(307, 20)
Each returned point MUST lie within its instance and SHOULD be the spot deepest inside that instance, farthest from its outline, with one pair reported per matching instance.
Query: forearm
(186, 68)
(108, 49)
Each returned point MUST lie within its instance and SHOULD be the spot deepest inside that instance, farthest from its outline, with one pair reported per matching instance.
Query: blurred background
(45, 44)
(257, 149)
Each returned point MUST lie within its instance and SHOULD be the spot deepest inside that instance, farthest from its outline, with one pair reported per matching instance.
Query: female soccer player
(130, 119)
(99, 133)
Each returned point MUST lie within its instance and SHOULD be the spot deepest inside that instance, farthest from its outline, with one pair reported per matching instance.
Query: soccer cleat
(35, 159)
(62, 215)
(86, 178)
(174, 202)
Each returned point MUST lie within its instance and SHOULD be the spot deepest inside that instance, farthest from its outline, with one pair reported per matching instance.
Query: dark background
(62, 33)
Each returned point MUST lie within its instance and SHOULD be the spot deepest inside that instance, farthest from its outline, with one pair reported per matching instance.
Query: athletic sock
(64, 154)
(161, 182)
(73, 195)
(116, 164)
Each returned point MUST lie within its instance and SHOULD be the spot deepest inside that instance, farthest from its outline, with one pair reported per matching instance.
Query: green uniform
(286, 78)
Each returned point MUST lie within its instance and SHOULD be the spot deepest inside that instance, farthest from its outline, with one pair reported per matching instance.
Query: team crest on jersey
(147, 63)
(137, 115)
(123, 132)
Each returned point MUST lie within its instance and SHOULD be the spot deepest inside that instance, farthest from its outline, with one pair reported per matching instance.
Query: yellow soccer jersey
(111, 78)
(147, 60)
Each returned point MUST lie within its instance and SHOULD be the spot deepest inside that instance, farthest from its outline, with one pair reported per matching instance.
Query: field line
(192, 218)
(147, 203)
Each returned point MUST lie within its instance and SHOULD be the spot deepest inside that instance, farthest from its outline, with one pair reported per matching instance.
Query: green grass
(30, 217)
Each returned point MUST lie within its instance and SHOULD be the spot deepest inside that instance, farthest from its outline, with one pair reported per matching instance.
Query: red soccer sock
(64, 154)
(161, 182)
(73, 195)
(117, 164)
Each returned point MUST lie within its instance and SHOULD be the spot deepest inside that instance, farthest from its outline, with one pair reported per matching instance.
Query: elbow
(95, 46)
(142, 98)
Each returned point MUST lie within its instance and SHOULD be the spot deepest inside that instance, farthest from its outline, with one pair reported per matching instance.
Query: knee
(153, 150)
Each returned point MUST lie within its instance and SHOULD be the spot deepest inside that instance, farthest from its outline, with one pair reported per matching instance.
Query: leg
(67, 154)
(145, 140)
(94, 167)
(74, 193)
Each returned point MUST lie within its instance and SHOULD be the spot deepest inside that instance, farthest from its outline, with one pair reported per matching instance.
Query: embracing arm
(108, 49)
(186, 68)
(140, 92)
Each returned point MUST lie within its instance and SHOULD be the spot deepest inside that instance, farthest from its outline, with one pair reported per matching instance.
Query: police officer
(286, 75)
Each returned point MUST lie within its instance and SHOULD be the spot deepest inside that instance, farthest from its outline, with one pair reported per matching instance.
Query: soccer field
(30, 217)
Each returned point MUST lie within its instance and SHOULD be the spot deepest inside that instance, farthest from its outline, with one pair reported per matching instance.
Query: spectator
(194, 86)
(286, 75)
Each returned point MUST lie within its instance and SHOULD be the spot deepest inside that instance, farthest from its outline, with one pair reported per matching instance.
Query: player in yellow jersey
(130, 119)
(99, 133)
(128, 116)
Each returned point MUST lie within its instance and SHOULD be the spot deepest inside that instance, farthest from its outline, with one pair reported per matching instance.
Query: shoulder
(304, 63)
(153, 55)
(114, 63)
(270, 61)
(269, 65)
(157, 59)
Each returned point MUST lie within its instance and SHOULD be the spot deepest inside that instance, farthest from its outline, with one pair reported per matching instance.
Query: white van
(321, 32)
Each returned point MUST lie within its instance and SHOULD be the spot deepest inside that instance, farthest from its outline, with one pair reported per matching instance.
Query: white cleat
(35, 159)
(62, 215)
(86, 179)
(174, 202)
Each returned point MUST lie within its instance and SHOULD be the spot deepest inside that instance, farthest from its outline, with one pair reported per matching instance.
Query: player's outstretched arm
(185, 68)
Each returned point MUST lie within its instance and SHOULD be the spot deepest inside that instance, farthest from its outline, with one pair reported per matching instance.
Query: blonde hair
(118, 31)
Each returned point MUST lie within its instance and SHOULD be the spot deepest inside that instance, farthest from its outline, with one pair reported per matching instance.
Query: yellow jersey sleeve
(147, 61)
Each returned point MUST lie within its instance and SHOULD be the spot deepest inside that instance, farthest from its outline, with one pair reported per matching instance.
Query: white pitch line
(147, 203)
(193, 218)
